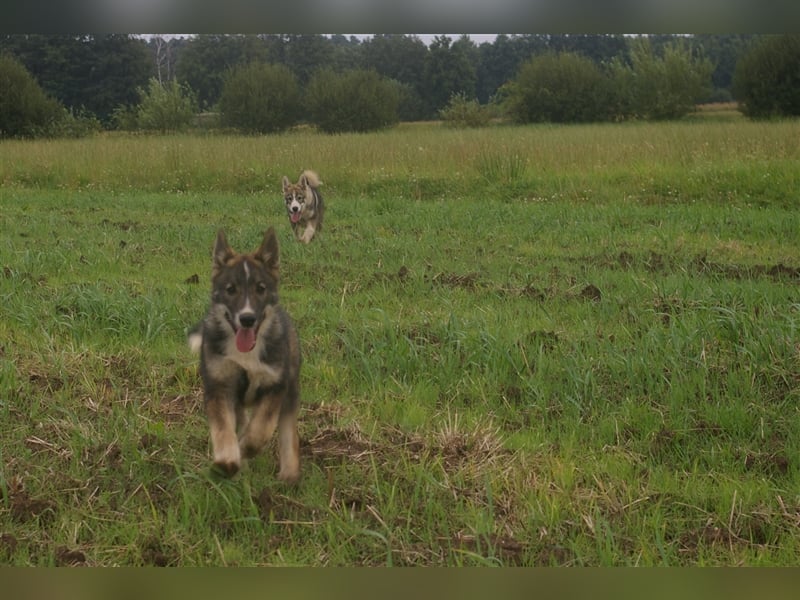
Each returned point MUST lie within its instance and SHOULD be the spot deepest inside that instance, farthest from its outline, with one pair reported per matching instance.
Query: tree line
(107, 78)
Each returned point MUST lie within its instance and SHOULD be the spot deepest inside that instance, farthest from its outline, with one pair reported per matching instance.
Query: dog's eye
(261, 288)
(230, 289)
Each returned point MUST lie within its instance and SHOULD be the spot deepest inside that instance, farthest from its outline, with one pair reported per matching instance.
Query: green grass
(522, 346)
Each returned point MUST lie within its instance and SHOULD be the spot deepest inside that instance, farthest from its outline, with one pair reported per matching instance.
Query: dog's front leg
(308, 234)
(222, 422)
(289, 447)
(297, 231)
(260, 427)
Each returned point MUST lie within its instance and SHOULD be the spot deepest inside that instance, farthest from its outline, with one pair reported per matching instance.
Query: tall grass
(591, 359)
(694, 158)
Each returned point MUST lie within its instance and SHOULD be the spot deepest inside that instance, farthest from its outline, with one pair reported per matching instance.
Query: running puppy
(249, 359)
(304, 205)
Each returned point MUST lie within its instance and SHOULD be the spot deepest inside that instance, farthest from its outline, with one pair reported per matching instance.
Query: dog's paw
(291, 476)
(227, 456)
(249, 450)
(226, 470)
(228, 460)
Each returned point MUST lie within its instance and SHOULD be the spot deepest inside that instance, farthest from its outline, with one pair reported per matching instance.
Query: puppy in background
(304, 205)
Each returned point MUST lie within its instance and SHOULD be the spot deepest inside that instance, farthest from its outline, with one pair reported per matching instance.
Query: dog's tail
(311, 177)
(195, 338)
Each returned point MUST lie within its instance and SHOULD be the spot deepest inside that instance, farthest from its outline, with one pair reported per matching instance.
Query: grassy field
(546, 345)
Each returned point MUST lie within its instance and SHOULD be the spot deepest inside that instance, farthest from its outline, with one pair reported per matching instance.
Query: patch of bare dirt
(625, 259)
(330, 443)
(663, 442)
(45, 381)
(467, 281)
(176, 409)
(154, 554)
(423, 335)
(768, 463)
(23, 276)
(121, 225)
(735, 271)
(66, 557)
(668, 307)
(526, 291)
(8, 545)
(541, 338)
(274, 507)
(401, 275)
(554, 555)
(510, 551)
(656, 262)
(25, 508)
(709, 429)
(592, 293)
(105, 455)
(708, 535)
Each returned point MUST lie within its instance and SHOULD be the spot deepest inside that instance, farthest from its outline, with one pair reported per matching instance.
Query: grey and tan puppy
(304, 205)
(249, 359)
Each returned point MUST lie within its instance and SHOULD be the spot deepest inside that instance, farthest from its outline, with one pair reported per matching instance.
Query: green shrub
(660, 87)
(125, 118)
(260, 98)
(165, 107)
(767, 78)
(356, 100)
(25, 110)
(76, 124)
(570, 88)
(560, 88)
(463, 112)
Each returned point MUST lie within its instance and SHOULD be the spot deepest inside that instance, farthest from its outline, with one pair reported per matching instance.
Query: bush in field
(463, 112)
(125, 118)
(76, 124)
(25, 110)
(260, 98)
(164, 107)
(767, 78)
(356, 100)
(658, 87)
(570, 88)
(561, 88)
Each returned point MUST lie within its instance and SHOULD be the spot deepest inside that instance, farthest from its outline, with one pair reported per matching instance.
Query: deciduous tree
(260, 98)
(767, 78)
(25, 109)
(358, 100)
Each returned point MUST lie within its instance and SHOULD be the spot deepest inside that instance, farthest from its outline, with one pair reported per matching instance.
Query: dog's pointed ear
(285, 183)
(303, 181)
(268, 251)
(222, 253)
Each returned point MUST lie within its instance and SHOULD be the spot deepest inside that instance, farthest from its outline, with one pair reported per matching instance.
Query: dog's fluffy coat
(249, 359)
(304, 205)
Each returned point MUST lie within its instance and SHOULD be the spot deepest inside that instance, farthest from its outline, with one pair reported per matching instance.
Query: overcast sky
(478, 38)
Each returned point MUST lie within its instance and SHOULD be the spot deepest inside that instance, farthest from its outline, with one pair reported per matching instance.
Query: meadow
(523, 346)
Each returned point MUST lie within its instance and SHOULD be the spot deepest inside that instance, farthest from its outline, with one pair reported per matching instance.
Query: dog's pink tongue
(246, 339)
(295, 217)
